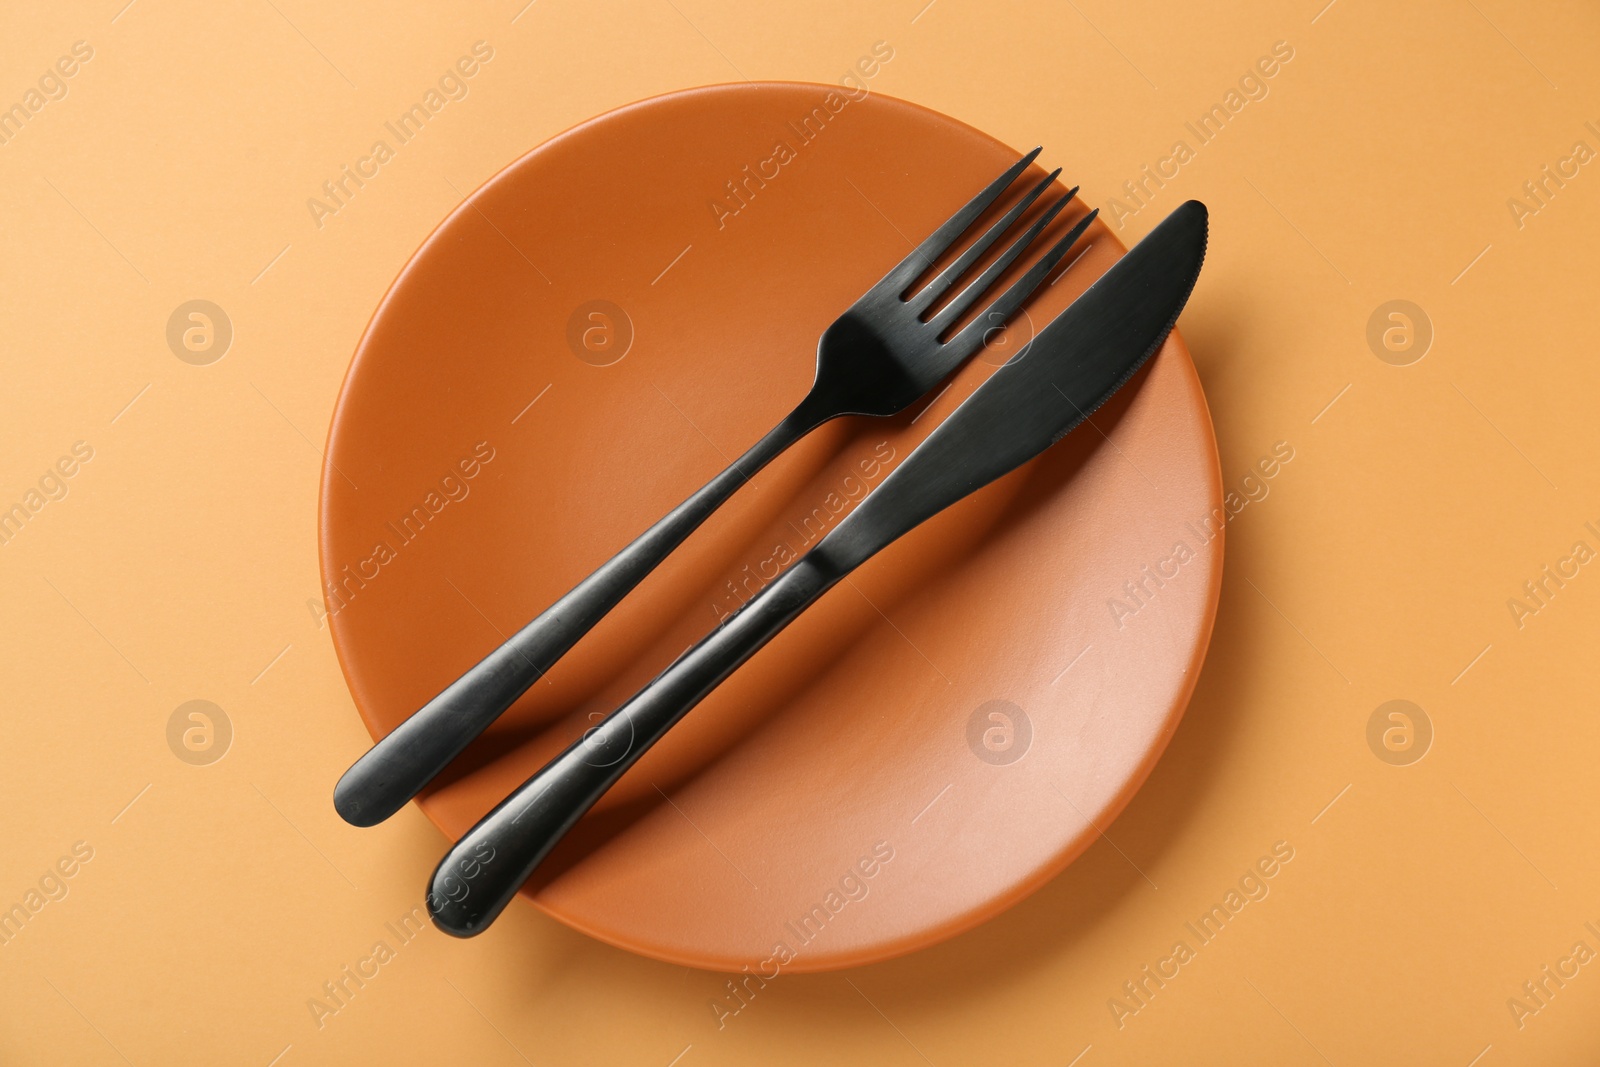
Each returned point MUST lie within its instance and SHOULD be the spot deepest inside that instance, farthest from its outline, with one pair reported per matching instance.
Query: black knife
(1072, 367)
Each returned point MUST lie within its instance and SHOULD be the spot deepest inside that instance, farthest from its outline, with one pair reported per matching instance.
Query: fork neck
(806, 416)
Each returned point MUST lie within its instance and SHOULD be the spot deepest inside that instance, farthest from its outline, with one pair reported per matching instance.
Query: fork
(883, 353)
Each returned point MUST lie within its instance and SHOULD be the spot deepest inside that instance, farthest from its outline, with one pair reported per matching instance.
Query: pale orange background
(180, 565)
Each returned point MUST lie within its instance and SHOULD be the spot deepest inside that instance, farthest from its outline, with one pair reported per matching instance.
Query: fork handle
(405, 760)
(479, 876)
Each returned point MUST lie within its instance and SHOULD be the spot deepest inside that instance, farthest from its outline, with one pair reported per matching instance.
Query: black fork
(877, 358)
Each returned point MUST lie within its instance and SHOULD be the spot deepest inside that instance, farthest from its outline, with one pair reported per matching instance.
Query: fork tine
(1007, 303)
(947, 277)
(900, 277)
(959, 304)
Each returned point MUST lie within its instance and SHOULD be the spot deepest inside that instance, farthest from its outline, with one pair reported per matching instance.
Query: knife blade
(1072, 367)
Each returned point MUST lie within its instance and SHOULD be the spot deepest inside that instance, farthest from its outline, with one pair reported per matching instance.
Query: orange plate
(938, 735)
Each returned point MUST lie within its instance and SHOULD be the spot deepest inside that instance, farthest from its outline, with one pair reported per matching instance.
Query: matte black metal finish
(877, 358)
(1073, 366)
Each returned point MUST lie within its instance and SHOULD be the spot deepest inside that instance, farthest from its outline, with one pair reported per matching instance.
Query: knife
(1072, 367)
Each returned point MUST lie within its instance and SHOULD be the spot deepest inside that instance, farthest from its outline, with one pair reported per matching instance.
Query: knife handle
(478, 877)
(406, 759)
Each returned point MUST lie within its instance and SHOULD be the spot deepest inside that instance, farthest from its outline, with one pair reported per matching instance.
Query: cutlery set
(889, 349)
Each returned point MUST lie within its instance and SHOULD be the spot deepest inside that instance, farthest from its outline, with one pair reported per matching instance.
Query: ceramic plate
(596, 332)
